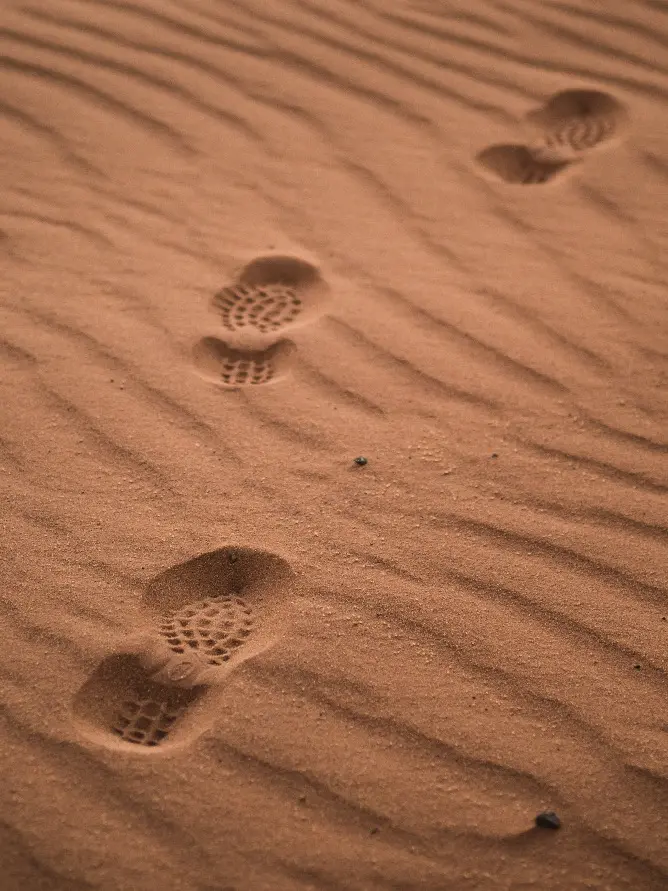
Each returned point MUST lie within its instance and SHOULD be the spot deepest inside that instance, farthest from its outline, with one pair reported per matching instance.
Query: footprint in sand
(222, 364)
(519, 165)
(574, 122)
(561, 132)
(203, 619)
(271, 294)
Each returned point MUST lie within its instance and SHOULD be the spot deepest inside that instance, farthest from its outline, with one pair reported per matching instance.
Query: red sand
(246, 242)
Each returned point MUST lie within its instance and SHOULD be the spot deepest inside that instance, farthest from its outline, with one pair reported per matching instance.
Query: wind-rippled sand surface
(244, 242)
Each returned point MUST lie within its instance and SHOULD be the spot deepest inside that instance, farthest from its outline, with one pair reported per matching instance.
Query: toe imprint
(270, 294)
(211, 628)
(268, 309)
(574, 122)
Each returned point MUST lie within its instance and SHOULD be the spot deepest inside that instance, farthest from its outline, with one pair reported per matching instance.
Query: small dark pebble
(637, 666)
(361, 460)
(495, 454)
(548, 820)
(374, 831)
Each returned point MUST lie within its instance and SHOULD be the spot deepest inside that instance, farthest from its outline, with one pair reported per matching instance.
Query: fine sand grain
(245, 242)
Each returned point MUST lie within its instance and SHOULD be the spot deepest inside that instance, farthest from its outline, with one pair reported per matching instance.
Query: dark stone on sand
(548, 820)
(361, 461)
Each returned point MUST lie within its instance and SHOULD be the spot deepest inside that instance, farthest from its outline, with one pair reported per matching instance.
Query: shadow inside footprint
(517, 165)
(575, 121)
(271, 293)
(222, 364)
(120, 698)
(203, 618)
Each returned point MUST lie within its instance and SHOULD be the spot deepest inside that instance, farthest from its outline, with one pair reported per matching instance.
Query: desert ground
(333, 383)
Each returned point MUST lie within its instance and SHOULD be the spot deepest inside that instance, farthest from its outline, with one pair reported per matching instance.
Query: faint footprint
(203, 619)
(574, 122)
(220, 363)
(518, 165)
(270, 294)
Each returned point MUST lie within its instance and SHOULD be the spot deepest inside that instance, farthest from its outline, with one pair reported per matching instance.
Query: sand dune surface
(333, 452)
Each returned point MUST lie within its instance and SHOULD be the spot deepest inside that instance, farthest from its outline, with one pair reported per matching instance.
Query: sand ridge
(244, 243)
